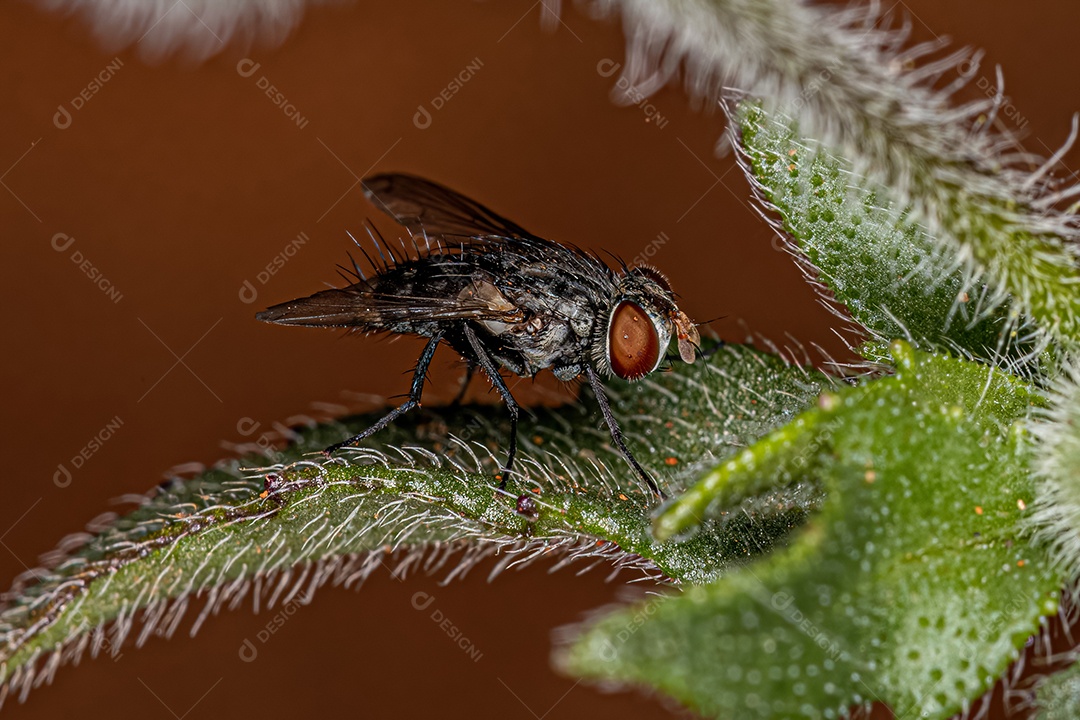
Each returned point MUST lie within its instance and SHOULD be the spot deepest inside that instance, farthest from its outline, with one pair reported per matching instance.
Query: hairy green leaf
(1058, 696)
(1056, 516)
(915, 585)
(849, 77)
(873, 258)
(427, 498)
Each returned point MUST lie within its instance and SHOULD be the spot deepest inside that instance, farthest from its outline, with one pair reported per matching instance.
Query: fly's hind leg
(489, 368)
(616, 432)
(414, 397)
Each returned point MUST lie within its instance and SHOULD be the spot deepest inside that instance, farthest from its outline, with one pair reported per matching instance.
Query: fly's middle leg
(490, 369)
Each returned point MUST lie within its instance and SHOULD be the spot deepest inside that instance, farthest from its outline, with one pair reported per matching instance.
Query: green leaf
(871, 256)
(1058, 696)
(848, 77)
(422, 496)
(915, 585)
(1056, 516)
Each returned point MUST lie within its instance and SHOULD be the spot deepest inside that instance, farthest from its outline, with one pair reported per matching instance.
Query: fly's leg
(616, 432)
(488, 366)
(470, 369)
(414, 397)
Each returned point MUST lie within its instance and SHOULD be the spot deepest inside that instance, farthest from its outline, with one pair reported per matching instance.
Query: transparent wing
(357, 307)
(425, 207)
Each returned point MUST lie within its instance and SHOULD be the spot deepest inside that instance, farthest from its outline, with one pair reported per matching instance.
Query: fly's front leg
(616, 432)
(419, 375)
(489, 368)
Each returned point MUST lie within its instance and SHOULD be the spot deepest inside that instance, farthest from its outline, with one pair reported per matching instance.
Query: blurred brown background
(180, 182)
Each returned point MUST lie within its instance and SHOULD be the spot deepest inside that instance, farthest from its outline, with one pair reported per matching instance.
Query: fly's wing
(430, 210)
(442, 285)
(349, 307)
(424, 207)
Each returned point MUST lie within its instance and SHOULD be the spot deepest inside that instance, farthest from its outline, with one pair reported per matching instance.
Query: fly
(501, 297)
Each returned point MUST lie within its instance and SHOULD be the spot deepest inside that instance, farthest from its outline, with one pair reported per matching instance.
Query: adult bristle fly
(503, 299)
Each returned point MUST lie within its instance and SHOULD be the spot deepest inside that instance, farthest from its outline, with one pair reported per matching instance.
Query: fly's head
(642, 320)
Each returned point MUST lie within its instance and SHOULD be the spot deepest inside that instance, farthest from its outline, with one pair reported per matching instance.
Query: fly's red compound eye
(633, 345)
